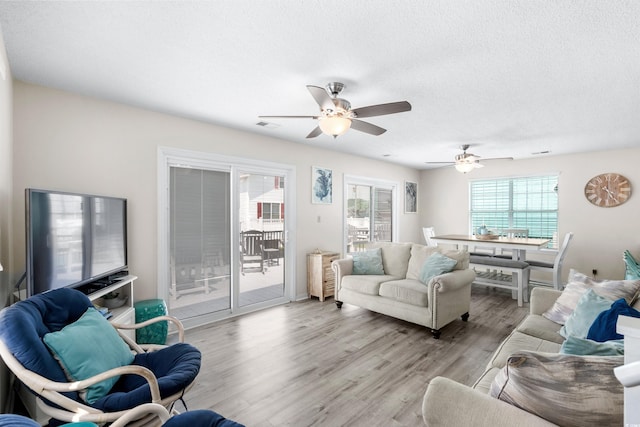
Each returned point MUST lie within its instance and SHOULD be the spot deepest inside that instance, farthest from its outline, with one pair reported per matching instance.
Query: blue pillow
(584, 347)
(604, 327)
(589, 306)
(368, 262)
(436, 265)
(88, 347)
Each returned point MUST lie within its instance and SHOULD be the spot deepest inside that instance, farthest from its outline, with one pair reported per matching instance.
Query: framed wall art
(410, 197)
(321, 185)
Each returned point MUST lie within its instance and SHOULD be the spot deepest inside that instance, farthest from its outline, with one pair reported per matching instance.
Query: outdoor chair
(108, 373)
(252, 251)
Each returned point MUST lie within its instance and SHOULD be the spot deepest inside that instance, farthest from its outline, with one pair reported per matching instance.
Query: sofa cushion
(589, 306)
(579, 284)
(368, 262)
(540, 327)
(419, 254)
(408, 291)
(518, 341)
(563, 389)
(483, 384)
(395, 257)
(436, 265)
(586, 347)
(365, 284)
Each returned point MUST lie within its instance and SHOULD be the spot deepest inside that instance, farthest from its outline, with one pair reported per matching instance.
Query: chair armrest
(177, 323)
(542, 299)
(341, 267)
(448, 403)
(452, 281)
(139, 411)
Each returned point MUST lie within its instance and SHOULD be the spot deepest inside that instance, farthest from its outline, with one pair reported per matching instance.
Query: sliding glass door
(262, 243)
(369, 212)
(223, 240)
(199, 242)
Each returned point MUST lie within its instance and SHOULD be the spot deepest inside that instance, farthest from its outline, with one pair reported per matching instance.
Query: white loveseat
(400, 293)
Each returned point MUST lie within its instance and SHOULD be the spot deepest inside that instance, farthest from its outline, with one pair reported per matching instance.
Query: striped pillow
(563, 389)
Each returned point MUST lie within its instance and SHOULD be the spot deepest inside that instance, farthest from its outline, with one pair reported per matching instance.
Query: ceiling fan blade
(288, 117)
(367, 127)
(316, 132)
(322, 97)
(382, 109)
(497, 158)
(440, 163)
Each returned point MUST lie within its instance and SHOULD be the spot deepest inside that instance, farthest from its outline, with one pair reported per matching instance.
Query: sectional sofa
(550, 388)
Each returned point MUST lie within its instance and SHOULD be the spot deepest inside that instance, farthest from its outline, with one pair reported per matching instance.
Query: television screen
(73, 239)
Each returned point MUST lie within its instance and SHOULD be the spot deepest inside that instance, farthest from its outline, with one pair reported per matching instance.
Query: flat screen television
(73, 239)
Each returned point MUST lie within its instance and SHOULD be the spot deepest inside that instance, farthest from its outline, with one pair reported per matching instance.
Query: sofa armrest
(452, 281)
(341, 267)
(448, 403)
(542, 299)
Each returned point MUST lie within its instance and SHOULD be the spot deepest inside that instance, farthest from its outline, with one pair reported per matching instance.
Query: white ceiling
(510, 77)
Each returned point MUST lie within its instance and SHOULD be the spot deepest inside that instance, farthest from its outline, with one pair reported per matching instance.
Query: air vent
(541, 152)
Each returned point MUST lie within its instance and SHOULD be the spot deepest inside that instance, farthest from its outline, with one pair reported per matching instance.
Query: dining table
(517, 245)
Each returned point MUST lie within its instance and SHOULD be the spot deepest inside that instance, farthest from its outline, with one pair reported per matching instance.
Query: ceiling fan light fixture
(464, 167)
(334, 125)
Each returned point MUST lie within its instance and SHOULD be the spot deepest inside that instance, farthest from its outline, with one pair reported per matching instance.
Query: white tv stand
(124, 315)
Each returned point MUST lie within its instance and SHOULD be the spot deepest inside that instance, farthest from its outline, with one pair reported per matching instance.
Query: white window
(521, 202)
(370, 212)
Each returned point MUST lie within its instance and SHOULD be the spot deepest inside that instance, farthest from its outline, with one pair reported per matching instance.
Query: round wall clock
(608, 190)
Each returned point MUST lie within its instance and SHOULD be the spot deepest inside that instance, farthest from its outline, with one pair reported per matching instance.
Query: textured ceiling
(510, 77)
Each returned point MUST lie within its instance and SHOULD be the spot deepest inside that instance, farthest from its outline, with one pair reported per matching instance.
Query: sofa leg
(465, 317)
(436, 334)
(338, 304)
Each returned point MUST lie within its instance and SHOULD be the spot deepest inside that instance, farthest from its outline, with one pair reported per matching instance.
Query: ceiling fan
(336, 116)
(466, 162)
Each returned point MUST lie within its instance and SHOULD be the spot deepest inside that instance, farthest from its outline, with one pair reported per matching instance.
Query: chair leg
(436, 334)
(520, 281)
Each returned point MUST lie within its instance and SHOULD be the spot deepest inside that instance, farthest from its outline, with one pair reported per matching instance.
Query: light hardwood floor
(309, 364)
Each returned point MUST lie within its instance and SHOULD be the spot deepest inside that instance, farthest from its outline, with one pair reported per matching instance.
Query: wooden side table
(320, 277)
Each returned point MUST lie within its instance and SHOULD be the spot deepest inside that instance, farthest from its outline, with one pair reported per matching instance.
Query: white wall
(69, 142)
(6, 279)
(600, 234)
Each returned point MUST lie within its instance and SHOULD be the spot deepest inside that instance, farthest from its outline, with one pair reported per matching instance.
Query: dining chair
(513, 233)
(429, 232)
(555, 267)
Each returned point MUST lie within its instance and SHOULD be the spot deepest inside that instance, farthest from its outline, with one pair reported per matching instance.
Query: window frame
(538, 200)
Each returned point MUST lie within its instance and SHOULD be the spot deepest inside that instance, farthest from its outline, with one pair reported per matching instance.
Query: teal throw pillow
(88, 347)
(368, 262)
(589, 306)
(436, 265)
(585, 347)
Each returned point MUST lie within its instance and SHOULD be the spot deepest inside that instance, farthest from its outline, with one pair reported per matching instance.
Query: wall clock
(608, 190)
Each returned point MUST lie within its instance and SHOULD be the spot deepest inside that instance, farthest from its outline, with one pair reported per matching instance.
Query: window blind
(522, 202)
